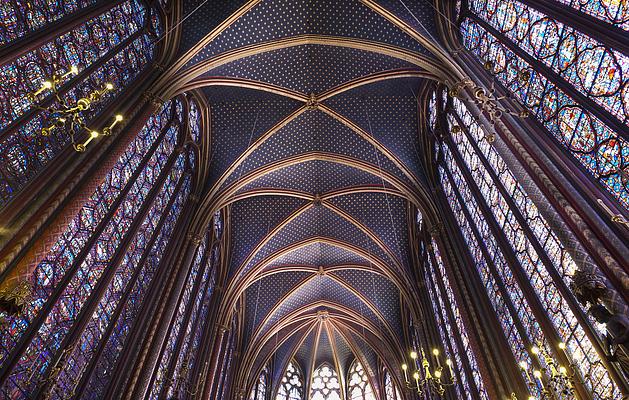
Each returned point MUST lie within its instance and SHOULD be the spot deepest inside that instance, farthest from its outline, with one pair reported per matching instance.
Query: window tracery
(359, 386)
(325, 384)
(391, 390)
(259, 390)
(291, 387)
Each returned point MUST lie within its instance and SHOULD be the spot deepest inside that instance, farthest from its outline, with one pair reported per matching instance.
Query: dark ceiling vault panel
(277, 19)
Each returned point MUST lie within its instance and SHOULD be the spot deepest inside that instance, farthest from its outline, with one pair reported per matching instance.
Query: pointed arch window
(518, 257)
(325, 384)
(390, 388)
(292, 385)
(359, 387)
(575, 85)
(114, 47)
(259, 390)
(92, 281)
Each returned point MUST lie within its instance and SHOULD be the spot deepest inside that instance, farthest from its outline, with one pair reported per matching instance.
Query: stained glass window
(325, 384)
(259, 390)
(391, 390)
(193, 302)
(99, 268)
(20, 17)
(291, 387)
(358, 386)
(483, 191)
(112, 48)
(195, 121)
(554, 70)
(450, 326)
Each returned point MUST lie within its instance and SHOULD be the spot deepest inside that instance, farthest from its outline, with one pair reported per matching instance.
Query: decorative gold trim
(13, 297)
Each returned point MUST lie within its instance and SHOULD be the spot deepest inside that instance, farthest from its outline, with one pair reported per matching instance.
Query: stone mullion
(186, 320)
(74, 334)
(135, 344)
(208, 383)
(548, 329)
(464, 357)
(41, 316)
(39, 37)
(159, 326)
(494, 272)
(557, 279)
(162, 346)
(123, 300)
(608, 119)
(482, 313)
(610, 35)
(201, 364)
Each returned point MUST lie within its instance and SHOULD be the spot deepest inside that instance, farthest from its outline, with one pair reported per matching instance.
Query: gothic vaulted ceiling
(316, 151)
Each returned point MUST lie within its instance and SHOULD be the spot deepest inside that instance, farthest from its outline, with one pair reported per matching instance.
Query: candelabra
(487, 100)
(425, 380)
(552, 381)
(69, 116)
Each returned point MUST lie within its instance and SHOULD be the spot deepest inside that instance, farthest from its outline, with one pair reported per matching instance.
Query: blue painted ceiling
(308, 202)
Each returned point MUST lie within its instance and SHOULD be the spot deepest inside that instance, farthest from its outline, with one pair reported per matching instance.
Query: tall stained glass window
(391, 390)
(260, 388)
(114, 47)
(518, 257)
(93, 280)
(292, 385)
(577, 86)
(325, 384)
(359, 387)
(173, 373)
(450, 324)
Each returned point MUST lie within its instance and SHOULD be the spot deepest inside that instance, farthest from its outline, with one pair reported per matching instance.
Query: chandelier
(427, 377)
(68, 117)
(552, 380)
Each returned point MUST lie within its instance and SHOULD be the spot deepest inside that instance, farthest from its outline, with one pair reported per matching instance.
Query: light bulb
(537, 374)
(404, 367)
(94, 134)
(416, 375)
(74, 69)
(435, 351)
(562, 345)
(563, 370)
(438, 374)
(47, 84)
(535, 350)
(448, 362)
(523, 365)
(118, 117)
(413, 355)
(109, 86)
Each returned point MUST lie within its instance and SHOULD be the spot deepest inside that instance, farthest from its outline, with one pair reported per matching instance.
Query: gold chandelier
(69, 117)
(429, 378)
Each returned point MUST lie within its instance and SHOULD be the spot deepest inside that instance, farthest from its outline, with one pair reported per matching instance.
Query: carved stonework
(616, 343)
(14, 298)
(587, 288)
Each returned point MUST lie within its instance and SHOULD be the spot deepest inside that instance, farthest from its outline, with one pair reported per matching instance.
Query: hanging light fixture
(552, 380)
(428, 378)
(68, 117)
